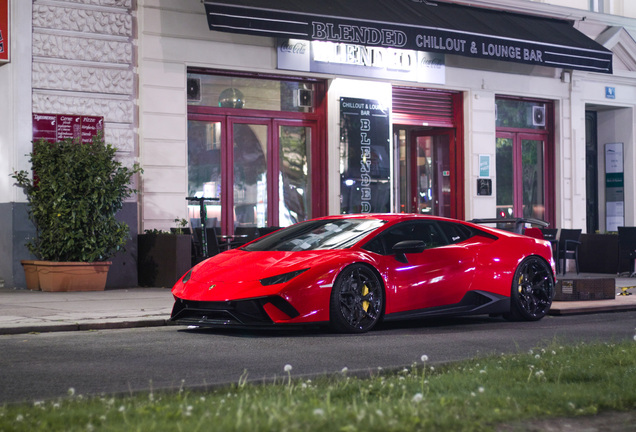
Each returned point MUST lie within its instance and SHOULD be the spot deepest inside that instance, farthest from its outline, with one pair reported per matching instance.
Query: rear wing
(515, 225)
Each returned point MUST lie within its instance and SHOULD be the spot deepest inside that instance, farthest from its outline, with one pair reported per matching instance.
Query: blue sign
(610, 93)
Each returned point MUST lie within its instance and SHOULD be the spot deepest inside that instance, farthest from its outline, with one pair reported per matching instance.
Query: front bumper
(257, 312)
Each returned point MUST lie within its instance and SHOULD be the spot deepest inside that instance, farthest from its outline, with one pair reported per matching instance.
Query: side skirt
(473, 303)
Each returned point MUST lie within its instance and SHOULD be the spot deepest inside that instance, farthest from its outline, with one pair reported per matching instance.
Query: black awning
(420, 25)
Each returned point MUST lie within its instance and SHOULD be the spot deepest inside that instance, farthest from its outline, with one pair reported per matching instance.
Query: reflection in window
(520, 114)
(294, 175)
(250, 175)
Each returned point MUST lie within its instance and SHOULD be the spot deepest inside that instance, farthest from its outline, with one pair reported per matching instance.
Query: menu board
(58, 127)
(365, 173)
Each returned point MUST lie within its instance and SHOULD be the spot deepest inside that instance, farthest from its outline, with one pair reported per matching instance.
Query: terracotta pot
(31, 274)
(72, 276)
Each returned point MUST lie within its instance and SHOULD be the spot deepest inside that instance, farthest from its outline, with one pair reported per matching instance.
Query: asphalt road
(44, 366)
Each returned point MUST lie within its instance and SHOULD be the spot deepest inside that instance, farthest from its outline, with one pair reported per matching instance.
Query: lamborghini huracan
(352, 271)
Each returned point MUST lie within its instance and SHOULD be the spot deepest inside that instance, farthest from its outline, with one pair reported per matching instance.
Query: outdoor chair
(551, 234)
(626, 249)
(197, 239)
(569, 242)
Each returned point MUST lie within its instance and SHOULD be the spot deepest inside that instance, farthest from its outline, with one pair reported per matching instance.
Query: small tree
(74, 194)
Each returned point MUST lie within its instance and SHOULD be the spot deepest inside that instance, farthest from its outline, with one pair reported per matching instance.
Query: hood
(242, 266)
(236, 274)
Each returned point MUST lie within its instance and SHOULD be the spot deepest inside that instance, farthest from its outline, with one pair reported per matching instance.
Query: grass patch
(472, 395)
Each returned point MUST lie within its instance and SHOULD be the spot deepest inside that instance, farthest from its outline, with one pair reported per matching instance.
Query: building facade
(277, 128)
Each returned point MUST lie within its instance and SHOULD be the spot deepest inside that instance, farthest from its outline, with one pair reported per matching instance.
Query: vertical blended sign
(365, 165)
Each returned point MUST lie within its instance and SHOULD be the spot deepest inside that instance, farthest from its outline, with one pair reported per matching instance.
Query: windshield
(317, 235)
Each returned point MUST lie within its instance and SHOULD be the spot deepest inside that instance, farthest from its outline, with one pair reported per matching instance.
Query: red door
(433, 172)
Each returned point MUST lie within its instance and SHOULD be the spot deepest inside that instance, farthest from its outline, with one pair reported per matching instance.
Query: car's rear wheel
(357, 300)
(532, 290)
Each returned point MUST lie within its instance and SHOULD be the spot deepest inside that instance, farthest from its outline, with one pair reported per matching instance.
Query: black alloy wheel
(532, 290)
(357, 300)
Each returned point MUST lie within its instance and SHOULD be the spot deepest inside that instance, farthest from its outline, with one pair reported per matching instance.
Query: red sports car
(351, 271)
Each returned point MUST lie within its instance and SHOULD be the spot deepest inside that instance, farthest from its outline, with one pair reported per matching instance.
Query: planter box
(72, 276)
(31, 274)
(163, 258)
(585, 289)
(598, 253)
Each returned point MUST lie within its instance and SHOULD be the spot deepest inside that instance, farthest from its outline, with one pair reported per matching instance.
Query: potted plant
(164, 256)
(73, 196)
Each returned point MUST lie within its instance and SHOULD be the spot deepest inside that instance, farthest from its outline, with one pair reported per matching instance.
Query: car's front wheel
(532, 290)
(357, 300)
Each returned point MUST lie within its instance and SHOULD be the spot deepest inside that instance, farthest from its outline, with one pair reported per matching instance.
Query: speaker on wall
(538, 115)
(194, 89)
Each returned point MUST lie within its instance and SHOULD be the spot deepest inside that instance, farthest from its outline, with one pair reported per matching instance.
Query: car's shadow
(324, 330)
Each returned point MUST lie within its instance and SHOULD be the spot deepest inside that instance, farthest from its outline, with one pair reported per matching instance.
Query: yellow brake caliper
(519, 285)
(365, 303)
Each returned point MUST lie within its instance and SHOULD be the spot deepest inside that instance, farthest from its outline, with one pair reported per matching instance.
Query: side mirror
(407, 246)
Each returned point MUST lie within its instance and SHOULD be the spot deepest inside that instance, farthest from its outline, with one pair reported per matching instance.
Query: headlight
(282, 278)
(186, 277)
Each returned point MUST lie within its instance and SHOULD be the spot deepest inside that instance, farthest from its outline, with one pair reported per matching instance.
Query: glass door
(247, 200)
(260, 170)
(431, 174)
(521, 178)
(294, 141)
(206, 158)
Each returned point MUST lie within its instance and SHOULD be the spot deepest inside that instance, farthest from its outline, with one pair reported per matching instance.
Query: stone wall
(84, 63)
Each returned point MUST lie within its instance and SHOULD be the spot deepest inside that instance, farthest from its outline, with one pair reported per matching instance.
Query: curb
(85, 326)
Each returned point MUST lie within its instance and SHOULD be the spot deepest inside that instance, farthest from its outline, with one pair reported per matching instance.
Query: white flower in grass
(481, 389)
(424, 358)
(635, 337)
(19, 418)
(344, 370)
(71, 391)
(287, 368)
(418, 397)
(319, 412)
(122, 408)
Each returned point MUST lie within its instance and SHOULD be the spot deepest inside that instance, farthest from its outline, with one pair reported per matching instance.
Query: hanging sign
(365, 182)
(4, 32)
(614, 187)
(58, 127)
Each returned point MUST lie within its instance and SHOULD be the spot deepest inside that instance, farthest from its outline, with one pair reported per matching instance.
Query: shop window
(250, 93)
(256, 150)
(520, 114)
(524, 159)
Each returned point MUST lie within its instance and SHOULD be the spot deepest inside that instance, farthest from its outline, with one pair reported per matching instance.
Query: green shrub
(74, 194)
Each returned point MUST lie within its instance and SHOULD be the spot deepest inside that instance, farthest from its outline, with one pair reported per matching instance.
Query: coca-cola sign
(296, 47)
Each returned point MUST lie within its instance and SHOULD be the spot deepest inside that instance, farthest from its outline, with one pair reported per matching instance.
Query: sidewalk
(23, 311)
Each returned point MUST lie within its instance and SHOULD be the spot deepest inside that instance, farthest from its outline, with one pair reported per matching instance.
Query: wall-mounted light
(566, 76)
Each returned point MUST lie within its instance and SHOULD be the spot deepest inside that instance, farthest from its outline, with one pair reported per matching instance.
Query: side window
(455, 232)
(427, 231)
